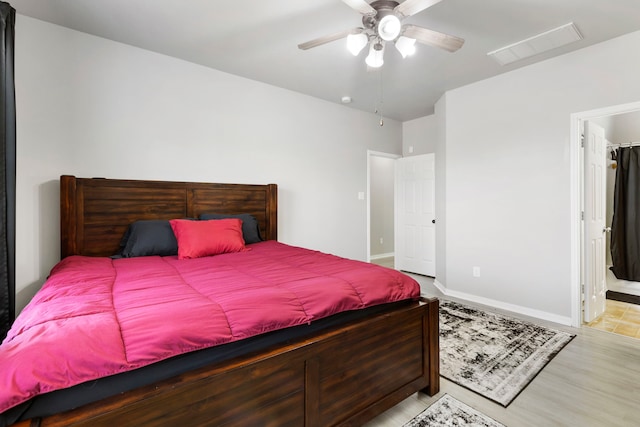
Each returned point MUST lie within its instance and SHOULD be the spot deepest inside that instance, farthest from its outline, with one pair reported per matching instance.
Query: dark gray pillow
(250, 228)
(149, 237)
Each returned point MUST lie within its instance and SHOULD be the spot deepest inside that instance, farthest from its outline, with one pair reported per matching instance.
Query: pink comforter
(96, 317)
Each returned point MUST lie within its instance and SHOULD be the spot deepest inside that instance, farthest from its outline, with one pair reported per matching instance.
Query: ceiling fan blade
(361, 6)
(433, 38)
(328, 38)
(411, 7)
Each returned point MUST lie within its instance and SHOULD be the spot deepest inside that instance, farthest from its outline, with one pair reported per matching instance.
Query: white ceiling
(258, 40)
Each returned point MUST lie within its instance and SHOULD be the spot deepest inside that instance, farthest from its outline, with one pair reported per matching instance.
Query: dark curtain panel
(625, 228)
(8, 173)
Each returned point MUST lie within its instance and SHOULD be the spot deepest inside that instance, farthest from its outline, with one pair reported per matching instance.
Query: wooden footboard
(343, 376)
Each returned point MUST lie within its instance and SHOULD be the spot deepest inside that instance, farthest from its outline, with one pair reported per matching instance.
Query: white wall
(508, 174)
(382, 191)
(91, 107)
(419, 136)
(625, 128)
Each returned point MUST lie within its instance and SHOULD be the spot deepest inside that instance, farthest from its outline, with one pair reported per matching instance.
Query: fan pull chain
(378, 109)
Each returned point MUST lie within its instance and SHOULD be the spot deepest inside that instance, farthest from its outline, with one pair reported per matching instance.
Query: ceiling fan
(382, 24)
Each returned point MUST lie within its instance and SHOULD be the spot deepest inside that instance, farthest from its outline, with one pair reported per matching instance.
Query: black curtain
(8, 172)
(625, 228)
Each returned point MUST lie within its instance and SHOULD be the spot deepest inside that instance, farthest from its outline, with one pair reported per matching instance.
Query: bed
(342, 369)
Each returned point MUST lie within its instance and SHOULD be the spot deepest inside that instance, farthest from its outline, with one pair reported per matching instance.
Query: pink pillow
(204, 238)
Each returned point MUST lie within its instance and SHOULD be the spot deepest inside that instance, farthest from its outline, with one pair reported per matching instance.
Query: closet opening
(603, 285)
(623, 209)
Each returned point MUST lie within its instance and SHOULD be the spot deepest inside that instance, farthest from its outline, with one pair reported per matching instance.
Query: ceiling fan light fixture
(382, 24)
(356, 42)
(375, 59)
(406, 46)
(389, 27)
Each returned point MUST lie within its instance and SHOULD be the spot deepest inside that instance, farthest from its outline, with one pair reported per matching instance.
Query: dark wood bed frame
(344, 375)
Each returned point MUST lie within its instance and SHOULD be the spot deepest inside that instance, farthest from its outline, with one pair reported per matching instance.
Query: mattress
(98, 318)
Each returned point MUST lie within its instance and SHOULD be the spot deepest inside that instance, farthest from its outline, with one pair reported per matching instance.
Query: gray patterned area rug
(450, 412)
(494, 355)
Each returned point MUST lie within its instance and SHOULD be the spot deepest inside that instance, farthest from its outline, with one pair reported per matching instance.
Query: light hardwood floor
(594, 381)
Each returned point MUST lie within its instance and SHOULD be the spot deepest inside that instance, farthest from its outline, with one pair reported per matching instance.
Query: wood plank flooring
(594, 381)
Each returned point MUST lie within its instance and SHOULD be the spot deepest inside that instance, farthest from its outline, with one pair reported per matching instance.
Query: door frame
(370, 154)
(578, 263)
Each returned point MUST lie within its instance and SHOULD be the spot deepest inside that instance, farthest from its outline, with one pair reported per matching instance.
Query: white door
(415, 229)
(594, 221)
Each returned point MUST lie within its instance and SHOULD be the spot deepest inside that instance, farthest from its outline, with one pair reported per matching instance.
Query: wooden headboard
(95, 212)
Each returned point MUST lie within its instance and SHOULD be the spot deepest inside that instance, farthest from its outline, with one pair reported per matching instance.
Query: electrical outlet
(476, 271)
(381, 241)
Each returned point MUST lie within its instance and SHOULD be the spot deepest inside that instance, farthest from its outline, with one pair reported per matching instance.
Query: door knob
(606, 230)
(433, 221)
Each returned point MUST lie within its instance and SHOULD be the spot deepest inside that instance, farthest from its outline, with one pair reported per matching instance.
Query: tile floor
(620, 318)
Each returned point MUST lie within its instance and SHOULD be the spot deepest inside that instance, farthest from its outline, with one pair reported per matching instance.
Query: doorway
(622, 130)
(380, 207)
(401, 212)
(581, 268)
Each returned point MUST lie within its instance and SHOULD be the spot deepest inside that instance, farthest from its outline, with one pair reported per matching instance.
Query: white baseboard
(538, 314)
(387, 255)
